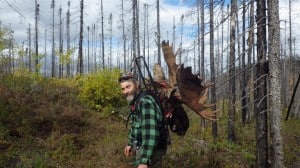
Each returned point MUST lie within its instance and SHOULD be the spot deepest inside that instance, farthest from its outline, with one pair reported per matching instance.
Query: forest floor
(43, 124)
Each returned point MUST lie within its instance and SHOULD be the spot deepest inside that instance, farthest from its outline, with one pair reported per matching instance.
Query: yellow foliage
(101, 89)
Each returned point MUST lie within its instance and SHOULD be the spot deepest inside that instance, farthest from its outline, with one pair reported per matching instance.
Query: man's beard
(130, 98)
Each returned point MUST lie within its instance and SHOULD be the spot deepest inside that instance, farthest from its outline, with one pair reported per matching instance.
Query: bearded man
(146, 142)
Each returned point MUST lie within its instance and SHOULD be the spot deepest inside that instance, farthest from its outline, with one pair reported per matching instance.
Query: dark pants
(156, 159)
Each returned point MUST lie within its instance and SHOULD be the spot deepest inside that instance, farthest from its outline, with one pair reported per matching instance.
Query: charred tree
(134, 28)
(53, 42)
(232, 97)
(80, 56)
(45, 52)
(29, 49)
(68, 40)
(158, 34)
(212, 64)
(36, 62)
(202, 71)
(102, 36)
(110, 40)
(261, 106)
(88, 50)
(124, 36)
(61, 60)
(250, 56)
(244, 82)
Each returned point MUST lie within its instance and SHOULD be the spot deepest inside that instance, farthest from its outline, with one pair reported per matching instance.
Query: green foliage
(3, 39)
(42, 124)
(65, 58)
(291, 140)
(101, 91)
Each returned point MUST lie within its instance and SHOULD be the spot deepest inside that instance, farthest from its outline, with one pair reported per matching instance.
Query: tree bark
(124, 37)
(250, 42)
(29, 50)
(53, 41)
(212, 66)
(261, 107)
(202, 71)
(80, 56)
(275, 85)
(36, 37)
(158, 34)
(231, 107)
(61, 59)
(244, 75)
(102, 36)
(68, 40)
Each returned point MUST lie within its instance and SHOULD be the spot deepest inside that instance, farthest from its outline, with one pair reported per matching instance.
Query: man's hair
(127, 77)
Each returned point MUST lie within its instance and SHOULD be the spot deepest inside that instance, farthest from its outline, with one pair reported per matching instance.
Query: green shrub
(101, 90)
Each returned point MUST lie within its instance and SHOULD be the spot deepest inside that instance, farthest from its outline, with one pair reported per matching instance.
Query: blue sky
(172, 2)
(180, 2)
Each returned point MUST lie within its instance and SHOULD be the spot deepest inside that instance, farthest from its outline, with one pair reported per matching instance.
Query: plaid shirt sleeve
(150, 119)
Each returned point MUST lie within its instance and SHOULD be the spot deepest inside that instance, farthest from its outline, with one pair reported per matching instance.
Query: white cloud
(10, 18)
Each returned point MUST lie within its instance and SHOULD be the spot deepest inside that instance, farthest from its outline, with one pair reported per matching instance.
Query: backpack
(164, 138)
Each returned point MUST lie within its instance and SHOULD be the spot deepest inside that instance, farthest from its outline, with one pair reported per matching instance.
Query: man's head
(129, 86)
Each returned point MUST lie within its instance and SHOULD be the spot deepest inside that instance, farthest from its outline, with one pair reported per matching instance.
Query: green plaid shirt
(146, 120)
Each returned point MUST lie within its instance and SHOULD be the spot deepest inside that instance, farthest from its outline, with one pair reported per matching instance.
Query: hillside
(45, 123)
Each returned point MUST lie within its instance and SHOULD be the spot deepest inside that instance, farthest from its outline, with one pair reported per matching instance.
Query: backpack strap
(164, 131)
(133, 107)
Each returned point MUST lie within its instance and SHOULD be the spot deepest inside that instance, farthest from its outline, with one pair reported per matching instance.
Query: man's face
(129, 89)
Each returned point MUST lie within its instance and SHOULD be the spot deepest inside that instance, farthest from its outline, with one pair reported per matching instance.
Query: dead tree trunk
(37, 9)
(212, 65)
(124, 36)
(231, 109)
(275, 85)
(68, 40)
(250, 51)
(61, 59)
(134, 4)
(158, 34)
(29, 49)
(80, 56)
(110, 40)
(244, 75)
(261, 107)
(202, 71)
(53, 43)
(102, 36)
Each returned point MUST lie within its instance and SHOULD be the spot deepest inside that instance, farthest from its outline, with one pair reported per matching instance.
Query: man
(145, 140)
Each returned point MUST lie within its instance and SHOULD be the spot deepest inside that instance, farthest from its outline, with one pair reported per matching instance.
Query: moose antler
(192, 92)
(170, 59)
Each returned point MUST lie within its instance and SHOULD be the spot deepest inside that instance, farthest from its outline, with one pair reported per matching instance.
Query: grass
(43, 124)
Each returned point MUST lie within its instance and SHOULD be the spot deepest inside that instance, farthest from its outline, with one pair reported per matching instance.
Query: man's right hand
(128, 151)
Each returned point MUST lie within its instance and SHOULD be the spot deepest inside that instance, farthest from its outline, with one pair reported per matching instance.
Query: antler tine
(209, 84)
(209, 105)
(208, 115)
(204, 97)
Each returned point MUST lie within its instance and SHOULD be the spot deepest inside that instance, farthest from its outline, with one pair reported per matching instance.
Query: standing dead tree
(261, 106)
(80, 56)
(212, 64)
(37, 9)
(275, 85)
(231, 107)
(53, 41)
